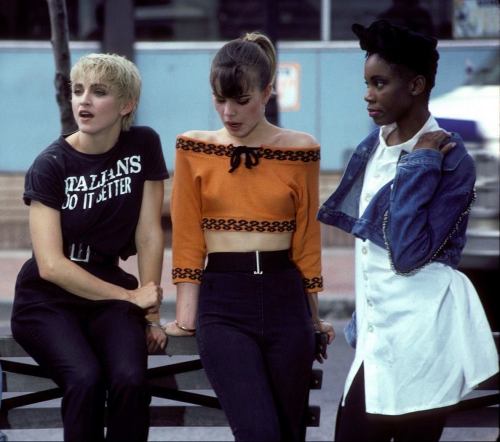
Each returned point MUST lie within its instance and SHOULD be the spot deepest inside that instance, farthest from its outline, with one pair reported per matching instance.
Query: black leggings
(96, 352)
(355, 424)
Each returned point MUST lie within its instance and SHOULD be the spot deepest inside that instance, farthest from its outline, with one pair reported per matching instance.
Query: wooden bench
(182, 395)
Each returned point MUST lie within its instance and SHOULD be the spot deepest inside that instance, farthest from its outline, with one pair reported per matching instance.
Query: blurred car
(473, 110)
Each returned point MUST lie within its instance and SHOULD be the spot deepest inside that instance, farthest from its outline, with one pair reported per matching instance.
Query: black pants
(96, 352)
(256, 342)
(355, 424)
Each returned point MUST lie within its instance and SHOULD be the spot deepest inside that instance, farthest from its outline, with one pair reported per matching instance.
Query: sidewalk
(336, 300)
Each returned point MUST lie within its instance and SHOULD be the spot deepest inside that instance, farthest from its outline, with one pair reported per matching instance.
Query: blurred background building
(213, 20)
(320, 79)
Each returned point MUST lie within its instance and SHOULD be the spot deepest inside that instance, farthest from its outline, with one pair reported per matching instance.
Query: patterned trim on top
(222, 150)
(187, 273)
(243, 225)
(313, 283)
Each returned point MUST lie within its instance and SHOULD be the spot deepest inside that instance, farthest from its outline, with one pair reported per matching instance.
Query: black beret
(399, 45)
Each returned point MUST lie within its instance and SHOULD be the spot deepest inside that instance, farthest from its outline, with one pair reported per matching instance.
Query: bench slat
(195, 380)
(30, 398)
(160, 416)
(176, 346)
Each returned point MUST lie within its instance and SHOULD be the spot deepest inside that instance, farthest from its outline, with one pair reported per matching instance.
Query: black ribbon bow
(251, 157)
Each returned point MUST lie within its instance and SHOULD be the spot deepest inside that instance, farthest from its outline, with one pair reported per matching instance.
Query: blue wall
(176, 95)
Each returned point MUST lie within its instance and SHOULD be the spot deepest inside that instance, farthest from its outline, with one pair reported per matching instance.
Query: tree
(62, 57)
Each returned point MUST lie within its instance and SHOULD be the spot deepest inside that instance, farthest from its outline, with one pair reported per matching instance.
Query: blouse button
(370, 328)
(364, 250)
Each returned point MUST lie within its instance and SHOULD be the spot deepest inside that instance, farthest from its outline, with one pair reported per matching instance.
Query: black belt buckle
(82, 253)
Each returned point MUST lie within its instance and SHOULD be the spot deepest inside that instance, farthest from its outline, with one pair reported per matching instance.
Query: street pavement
(336, 304)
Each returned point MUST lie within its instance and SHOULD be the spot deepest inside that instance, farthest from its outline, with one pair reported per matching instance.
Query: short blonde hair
(121, 74)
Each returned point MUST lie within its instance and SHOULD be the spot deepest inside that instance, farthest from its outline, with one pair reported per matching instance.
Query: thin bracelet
(188, 330)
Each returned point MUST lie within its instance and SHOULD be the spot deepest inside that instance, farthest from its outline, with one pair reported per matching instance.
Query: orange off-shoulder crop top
(269, 189)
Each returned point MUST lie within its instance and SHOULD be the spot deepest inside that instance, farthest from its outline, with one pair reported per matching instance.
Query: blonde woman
(95, 196)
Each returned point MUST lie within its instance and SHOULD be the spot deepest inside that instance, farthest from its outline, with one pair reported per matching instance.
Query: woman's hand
(321, 326)
(148, 296)
(322, 329)
(436, 140)
(156, 338)
(325, 327)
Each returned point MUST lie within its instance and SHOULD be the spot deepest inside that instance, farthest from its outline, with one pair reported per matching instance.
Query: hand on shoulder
(437, 140)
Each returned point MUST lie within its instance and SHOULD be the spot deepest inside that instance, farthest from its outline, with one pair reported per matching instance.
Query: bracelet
(154, 324)
(188, 330)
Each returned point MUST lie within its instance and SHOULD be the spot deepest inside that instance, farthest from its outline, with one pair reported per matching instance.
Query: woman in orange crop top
(244, 200)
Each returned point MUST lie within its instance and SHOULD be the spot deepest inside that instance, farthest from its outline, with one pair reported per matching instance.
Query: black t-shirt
(99, 196)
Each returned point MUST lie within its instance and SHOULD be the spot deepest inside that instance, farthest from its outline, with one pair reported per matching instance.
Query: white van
(473, 110)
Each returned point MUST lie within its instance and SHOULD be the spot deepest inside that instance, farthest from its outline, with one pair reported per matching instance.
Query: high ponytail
(267, 46)
(244, 63)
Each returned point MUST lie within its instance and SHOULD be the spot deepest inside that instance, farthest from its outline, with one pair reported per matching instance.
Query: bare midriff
(246, 241)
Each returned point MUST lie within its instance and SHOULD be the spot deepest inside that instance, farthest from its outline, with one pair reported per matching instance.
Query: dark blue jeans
(96, 352)
(256, 342)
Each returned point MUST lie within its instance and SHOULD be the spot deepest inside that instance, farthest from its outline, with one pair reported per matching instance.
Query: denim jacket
(419, 216)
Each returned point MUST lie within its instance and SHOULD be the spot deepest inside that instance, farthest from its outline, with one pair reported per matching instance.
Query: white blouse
(424, 340)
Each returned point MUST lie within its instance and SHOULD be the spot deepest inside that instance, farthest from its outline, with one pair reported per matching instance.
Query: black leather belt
(80, 252)
(249, 262)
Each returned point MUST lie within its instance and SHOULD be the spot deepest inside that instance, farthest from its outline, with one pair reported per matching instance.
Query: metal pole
(119, 28)
(326, 17)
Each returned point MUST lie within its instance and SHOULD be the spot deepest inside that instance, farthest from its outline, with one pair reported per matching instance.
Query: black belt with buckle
(255, 262)
(80, 252)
